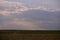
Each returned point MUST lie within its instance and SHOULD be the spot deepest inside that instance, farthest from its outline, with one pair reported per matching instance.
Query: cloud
(11, 7)
(31, 20)
(46, 4)
(20, 24)
(44, 19)
(46, 9)
(16, 15)
(7, 7)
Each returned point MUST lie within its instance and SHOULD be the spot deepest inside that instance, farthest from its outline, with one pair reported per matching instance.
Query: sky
(42, 3)
(30, 14)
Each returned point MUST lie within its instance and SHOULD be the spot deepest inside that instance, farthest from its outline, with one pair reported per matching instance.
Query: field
(29, 35)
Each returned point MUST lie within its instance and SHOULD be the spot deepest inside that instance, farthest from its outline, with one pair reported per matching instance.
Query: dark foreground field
(29, 35)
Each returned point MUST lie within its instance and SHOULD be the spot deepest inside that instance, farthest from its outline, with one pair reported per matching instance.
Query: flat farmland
(29, 35)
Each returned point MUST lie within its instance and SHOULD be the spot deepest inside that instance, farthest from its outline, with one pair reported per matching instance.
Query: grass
(29, 35)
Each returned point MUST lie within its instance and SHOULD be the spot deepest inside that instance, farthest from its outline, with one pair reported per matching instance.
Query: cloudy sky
(30, 14)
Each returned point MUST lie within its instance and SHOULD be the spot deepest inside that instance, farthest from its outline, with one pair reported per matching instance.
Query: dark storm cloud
(32, 19)
(44, 19)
